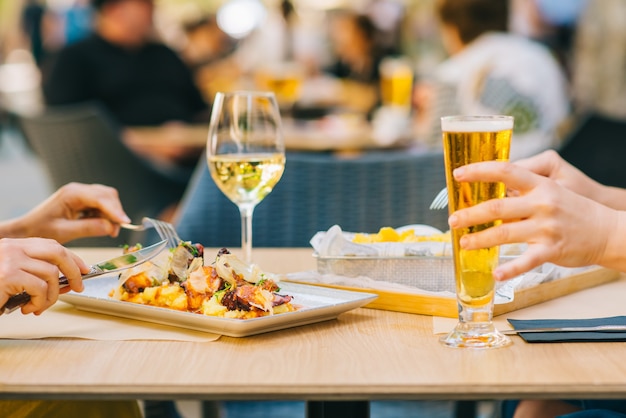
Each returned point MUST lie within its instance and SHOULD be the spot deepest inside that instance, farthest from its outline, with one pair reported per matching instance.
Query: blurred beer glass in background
(470, 139)
(284, 79)
(396, 82)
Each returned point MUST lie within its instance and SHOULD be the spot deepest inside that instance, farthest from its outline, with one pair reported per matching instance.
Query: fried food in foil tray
(417, 256)
(414, 271)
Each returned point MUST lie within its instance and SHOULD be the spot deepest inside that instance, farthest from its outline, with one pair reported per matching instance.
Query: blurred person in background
(599, 61)
(32, 25)
(208, 52)
(356, 55)
(205, 42)
(281, 34)
(353, 40)
(78, 21)
(138, 80)
(43, 28)
(388, 17)
(491, 71)
(552, 23)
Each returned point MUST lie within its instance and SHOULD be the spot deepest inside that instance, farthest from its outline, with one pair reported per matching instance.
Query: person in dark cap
(139, 80)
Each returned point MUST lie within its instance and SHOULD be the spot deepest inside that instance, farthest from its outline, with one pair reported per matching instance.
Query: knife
(604, 328)
(113, 265)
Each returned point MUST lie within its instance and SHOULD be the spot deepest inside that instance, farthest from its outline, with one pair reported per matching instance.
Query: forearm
(613, 197)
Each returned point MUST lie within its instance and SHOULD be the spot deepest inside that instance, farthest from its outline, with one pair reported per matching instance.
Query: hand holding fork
(165, 230)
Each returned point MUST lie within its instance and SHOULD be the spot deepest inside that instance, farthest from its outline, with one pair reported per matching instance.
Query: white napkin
(62, 320)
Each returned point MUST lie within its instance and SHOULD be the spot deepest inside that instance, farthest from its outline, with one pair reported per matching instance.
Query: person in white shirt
(491, 71)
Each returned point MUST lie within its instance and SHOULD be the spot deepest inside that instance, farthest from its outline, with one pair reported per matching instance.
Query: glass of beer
(284, 79)
(470, 139)
(396, 82)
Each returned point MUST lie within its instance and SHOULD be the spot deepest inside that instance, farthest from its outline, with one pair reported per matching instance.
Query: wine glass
(245, 152)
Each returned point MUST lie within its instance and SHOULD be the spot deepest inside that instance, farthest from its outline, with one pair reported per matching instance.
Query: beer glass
(285, 79)
(470, 139)
(396, 82)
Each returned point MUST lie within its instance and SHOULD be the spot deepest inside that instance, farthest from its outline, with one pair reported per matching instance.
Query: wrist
(613, 197)
(15, 228)
(613, 255)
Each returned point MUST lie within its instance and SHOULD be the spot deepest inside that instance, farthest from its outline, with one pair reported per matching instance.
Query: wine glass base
(473, 335)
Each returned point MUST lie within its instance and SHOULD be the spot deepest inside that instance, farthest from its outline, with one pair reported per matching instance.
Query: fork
(165, 230)
(441, 200)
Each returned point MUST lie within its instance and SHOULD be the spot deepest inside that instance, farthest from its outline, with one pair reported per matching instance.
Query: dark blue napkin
(559, 337)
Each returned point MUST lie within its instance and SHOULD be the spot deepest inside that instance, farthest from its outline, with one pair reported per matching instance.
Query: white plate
(316, 304)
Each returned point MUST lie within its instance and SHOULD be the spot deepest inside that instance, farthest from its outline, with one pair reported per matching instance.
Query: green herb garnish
(127, 259)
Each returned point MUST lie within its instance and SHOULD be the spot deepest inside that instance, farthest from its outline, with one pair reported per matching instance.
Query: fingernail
(453, 220)
(498, 275)
(125, 218)
(459, 171)
(463, 242)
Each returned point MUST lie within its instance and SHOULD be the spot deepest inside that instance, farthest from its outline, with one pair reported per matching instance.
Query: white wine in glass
(245, 152)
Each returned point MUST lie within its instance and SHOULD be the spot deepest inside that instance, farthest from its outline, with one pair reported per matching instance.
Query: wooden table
(363, 355)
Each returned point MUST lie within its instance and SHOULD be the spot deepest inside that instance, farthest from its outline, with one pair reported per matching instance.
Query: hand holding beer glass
(470, 139)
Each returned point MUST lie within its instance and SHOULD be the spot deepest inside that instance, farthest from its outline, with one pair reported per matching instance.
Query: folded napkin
(64, 321)
(582, 336)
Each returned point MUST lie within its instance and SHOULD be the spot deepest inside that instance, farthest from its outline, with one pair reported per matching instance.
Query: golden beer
(473, 269)
(284, 79)
(396, 82)
(470, 139)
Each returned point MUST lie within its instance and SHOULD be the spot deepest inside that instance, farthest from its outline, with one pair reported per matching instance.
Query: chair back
(317, 191)
(597, 147)
(82, 143)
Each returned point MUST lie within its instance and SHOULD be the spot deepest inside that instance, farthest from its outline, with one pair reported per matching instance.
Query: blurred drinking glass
(284, 79)
(470, 139)
(396, 82)
(245, 152)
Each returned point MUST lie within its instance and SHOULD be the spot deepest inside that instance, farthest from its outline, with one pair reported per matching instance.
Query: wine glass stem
(246, 232)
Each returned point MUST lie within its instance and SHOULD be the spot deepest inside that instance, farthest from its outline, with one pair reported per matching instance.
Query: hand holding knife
(113, 265)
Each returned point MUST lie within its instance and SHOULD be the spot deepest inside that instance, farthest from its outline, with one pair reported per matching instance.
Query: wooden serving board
(447, 306)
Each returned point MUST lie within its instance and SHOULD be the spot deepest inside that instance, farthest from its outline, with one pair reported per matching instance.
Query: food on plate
(388, 234)
(178, 279)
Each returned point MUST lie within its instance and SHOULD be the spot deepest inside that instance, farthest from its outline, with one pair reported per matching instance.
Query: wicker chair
(318, 190)
(82, 143)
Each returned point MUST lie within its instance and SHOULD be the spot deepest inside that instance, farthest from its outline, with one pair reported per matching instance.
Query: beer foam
(476, 125)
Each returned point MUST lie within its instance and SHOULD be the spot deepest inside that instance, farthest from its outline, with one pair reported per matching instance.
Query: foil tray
(435, 274)
(430, 273)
